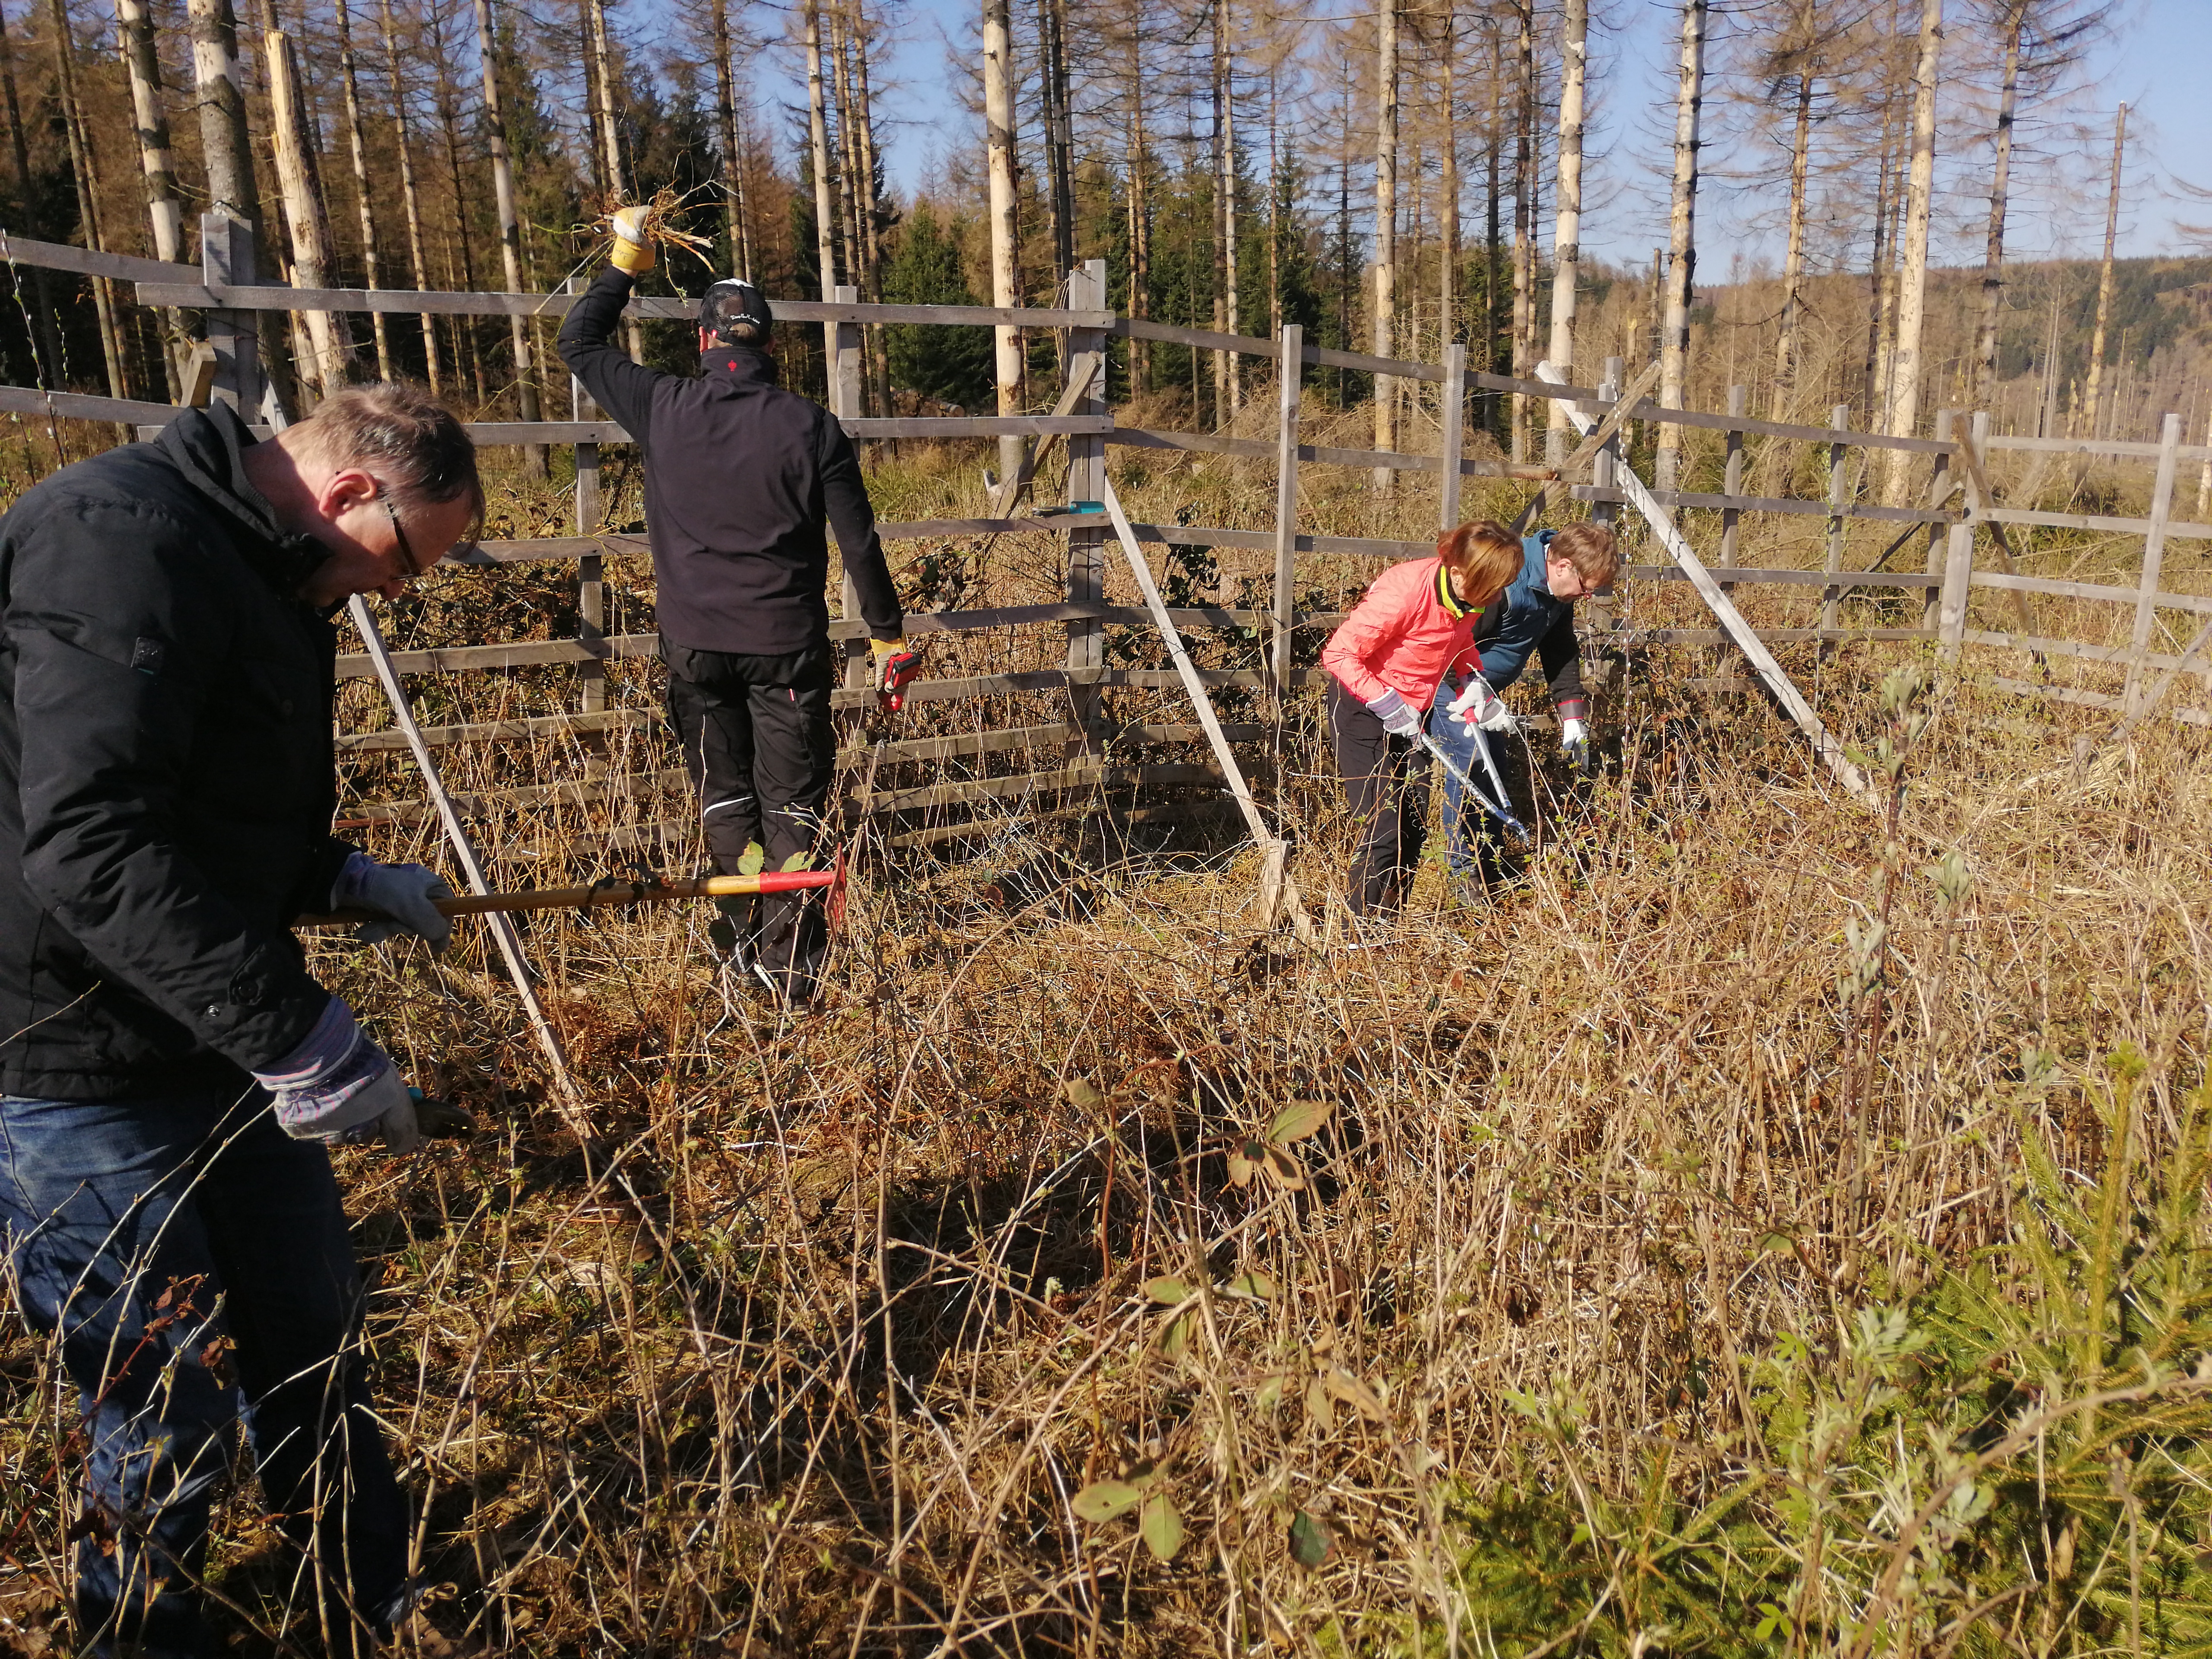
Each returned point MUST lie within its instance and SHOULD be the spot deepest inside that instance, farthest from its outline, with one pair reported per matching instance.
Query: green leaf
(1166, 1290)
(1252, 1287)
(1175, 1341)
(1101, 1500)
(1160, 1526)
(1245, 1158)
(799, 861)
(1298, 1120)
(1310, 1541)
(753, 859)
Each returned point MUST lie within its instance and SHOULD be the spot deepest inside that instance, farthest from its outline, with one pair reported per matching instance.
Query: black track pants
(1386, 782)
(758, 741)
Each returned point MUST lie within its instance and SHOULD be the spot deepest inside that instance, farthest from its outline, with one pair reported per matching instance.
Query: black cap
(736, 312)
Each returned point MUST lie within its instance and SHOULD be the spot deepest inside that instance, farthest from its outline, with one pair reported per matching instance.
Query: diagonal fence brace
(1770, 674)
(1279, 893)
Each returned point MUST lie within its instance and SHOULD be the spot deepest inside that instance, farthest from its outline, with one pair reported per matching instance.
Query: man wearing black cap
(739, 478)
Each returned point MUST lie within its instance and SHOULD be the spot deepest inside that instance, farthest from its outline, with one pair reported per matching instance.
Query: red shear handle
(901, 668)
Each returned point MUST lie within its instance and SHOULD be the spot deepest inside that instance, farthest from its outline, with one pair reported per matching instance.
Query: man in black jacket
(168, 1068)
(739, 477)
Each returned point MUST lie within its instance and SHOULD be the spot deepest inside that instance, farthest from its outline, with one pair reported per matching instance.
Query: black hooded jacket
(739, 477)
(166, 778)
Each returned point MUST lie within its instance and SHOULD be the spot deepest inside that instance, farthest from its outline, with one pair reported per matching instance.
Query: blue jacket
(1525, 618)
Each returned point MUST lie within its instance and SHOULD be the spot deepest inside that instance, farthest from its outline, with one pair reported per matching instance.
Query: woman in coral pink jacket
(1414, 626)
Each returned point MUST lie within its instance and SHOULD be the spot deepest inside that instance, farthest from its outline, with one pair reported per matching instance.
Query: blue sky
(2155, 61)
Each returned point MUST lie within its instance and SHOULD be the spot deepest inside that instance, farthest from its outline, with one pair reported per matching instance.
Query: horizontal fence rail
(1955, 516)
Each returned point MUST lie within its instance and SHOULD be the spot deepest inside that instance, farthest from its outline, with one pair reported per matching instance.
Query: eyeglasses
(415, 565)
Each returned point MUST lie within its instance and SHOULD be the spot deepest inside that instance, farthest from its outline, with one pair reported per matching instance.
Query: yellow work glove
(633, 250)
(897, 665)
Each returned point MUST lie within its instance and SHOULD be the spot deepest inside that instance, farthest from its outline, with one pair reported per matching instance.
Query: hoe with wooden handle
(616, 890)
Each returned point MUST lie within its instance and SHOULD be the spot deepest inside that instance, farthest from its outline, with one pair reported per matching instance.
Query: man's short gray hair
(411, 443)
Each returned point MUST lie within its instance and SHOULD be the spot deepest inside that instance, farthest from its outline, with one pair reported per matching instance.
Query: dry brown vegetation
(1664, 1264)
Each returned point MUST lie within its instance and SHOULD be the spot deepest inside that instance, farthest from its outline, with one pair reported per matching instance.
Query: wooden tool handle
(611, 891)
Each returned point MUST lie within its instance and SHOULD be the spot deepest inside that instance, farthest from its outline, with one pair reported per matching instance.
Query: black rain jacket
(739, 477)
(166, 778)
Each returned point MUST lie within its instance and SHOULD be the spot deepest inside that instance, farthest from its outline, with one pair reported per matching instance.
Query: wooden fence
(1956, 506)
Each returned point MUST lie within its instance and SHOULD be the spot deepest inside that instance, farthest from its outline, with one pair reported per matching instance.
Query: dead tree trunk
(1793, 258)
(2095, 400)
(1227, 392)
(1985, 351)
(1524, 214)
(1682, 249)
(357, 148)
(410, 199)
(510, 233)
(733, 174)
(87, 206)
(331, 342)
(871, 221)
(1006, 226)
(449, 105)
(1905, 369)
(1386, 233)
(1138, 163)
(609, 135)
(135, 27)
(47, 340)
(1448, 294)
(1566, 237)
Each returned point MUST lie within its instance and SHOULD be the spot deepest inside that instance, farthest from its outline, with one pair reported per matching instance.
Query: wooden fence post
(1739, 398)
(227, 260)
(1839, 485)
(591, 585)
(1939, 491)
(2161, 508)
(1597, 617)
(1958, 562)
(1086, 481)
(844, 377)
(1288, 384)
(1451, 411)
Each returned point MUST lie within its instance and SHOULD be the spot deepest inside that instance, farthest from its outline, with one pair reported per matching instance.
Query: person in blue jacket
(1536, 613)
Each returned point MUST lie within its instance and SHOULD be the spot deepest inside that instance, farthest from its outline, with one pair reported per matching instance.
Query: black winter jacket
(166, 780)
(740, 476)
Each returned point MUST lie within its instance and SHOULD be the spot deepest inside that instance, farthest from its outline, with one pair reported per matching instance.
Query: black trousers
(1386, 783)
(758, 741)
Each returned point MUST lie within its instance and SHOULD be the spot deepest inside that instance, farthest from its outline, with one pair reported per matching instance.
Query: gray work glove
(1574, 741)
(339, 1088)
(401, 894)
(1399, 718)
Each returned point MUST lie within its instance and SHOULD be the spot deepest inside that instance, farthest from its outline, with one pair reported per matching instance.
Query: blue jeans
(1465, 824)
(194, 1263)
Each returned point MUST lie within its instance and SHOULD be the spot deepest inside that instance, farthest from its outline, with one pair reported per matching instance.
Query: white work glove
(402, 893)
(339, 1088)
(1574, 742)
(1478, 705)
(632, 250)
(1399, 718)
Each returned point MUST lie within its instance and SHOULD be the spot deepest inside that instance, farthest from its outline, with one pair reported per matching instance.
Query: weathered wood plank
(89, 262)
(2051, 647)
(2066, 590)
(2089, 699)
(1773, 503)
(1751, 576)
(2099, 447)
(81, 406)
(521, 731)
(2094, 521)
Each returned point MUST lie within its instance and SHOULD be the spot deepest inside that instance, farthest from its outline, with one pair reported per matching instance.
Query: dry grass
(1645, 1278)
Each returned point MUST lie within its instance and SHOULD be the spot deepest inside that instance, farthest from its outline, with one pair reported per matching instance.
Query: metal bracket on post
(1451, 416)
(591, 568)
(226, 260)
(845, 404)
(1288, 387)
(1086, 479)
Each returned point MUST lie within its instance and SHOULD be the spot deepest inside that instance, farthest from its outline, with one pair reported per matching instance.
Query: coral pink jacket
(1406, 635)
